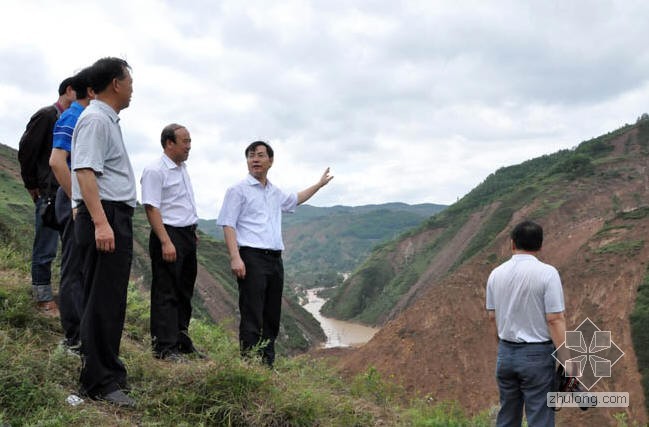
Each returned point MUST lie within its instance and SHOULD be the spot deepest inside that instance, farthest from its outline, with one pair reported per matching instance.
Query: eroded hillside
(593, 203)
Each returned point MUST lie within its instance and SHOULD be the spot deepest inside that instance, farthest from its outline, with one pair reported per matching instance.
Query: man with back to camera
(168, 200)
(70, 291)
(33, 154)
(103, 188)
(525, 299)
(251, 217)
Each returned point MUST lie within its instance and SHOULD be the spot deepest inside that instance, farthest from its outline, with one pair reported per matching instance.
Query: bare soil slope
(443, 346)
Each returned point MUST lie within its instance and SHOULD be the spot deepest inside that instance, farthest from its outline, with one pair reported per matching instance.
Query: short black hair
(81, 82)
(169, 132)
(527, 236)
(253, 146)
(63, 87)
(105, 70)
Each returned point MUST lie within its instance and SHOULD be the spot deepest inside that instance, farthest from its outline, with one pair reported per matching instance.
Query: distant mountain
(322, 242)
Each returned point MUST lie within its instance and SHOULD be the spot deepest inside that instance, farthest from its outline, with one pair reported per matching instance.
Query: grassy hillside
(16, 209)
(36, 377)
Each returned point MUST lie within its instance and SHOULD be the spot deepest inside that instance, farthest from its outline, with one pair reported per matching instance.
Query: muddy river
(339, 333)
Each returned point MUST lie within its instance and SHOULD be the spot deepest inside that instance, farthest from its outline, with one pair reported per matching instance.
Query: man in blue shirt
(251, 217)
(70, 290)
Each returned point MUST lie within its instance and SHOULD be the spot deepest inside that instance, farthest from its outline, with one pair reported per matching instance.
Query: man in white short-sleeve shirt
(525, 300)
(168, 200)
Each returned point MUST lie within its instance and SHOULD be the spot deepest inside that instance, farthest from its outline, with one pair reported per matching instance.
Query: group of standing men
(79, 152)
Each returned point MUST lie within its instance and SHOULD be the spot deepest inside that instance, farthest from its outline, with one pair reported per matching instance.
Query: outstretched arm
(306, 194)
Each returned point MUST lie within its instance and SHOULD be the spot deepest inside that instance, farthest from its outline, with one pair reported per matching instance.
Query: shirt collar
(523, 256)
(170, 163)
(251, 180)
(106, 108)
(77, 106)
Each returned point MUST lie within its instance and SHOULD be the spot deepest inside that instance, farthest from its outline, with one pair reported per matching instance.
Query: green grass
(639, 320)
(36, 376)
(630, 248)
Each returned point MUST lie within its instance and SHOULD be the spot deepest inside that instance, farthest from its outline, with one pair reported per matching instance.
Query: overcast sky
(413, 102)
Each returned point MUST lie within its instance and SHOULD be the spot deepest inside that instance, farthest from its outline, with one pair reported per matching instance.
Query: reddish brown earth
(442, 345)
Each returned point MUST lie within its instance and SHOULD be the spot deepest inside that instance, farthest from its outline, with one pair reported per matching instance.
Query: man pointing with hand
(251, 217)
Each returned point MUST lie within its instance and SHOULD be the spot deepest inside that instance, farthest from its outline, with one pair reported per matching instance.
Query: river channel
(340, 333)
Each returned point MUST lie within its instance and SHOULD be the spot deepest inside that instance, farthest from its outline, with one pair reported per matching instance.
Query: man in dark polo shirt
(34, 154)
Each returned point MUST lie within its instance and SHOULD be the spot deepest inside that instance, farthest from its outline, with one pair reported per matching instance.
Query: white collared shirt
(255, 212)
(522, 291)
(166, 186)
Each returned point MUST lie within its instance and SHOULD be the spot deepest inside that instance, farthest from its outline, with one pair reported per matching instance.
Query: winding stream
(340, 333)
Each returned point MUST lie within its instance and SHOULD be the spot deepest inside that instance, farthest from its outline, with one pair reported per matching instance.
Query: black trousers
(105, 283)
(260, 301)
(172, 288)
(70, 290)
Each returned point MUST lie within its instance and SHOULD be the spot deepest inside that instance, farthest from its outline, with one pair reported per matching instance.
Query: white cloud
(414, 101)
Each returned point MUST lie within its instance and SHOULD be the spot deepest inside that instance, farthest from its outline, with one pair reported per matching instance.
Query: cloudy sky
(413, 101)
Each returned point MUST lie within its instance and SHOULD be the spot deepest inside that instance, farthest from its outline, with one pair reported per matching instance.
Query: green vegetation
(488, 232)
(371, 276)
(639, 320)
(574, 166)
(381, 282)
(36, 376)
(628, 248)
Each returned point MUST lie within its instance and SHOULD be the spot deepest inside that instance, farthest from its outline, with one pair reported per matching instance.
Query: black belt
(527, 343)
(270, 252)
(191, 228)
(118, 205)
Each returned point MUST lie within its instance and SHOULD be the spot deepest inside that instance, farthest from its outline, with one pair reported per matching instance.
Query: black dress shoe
(118, 398)
(173, 356)
(192, 351)
(197, 354)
